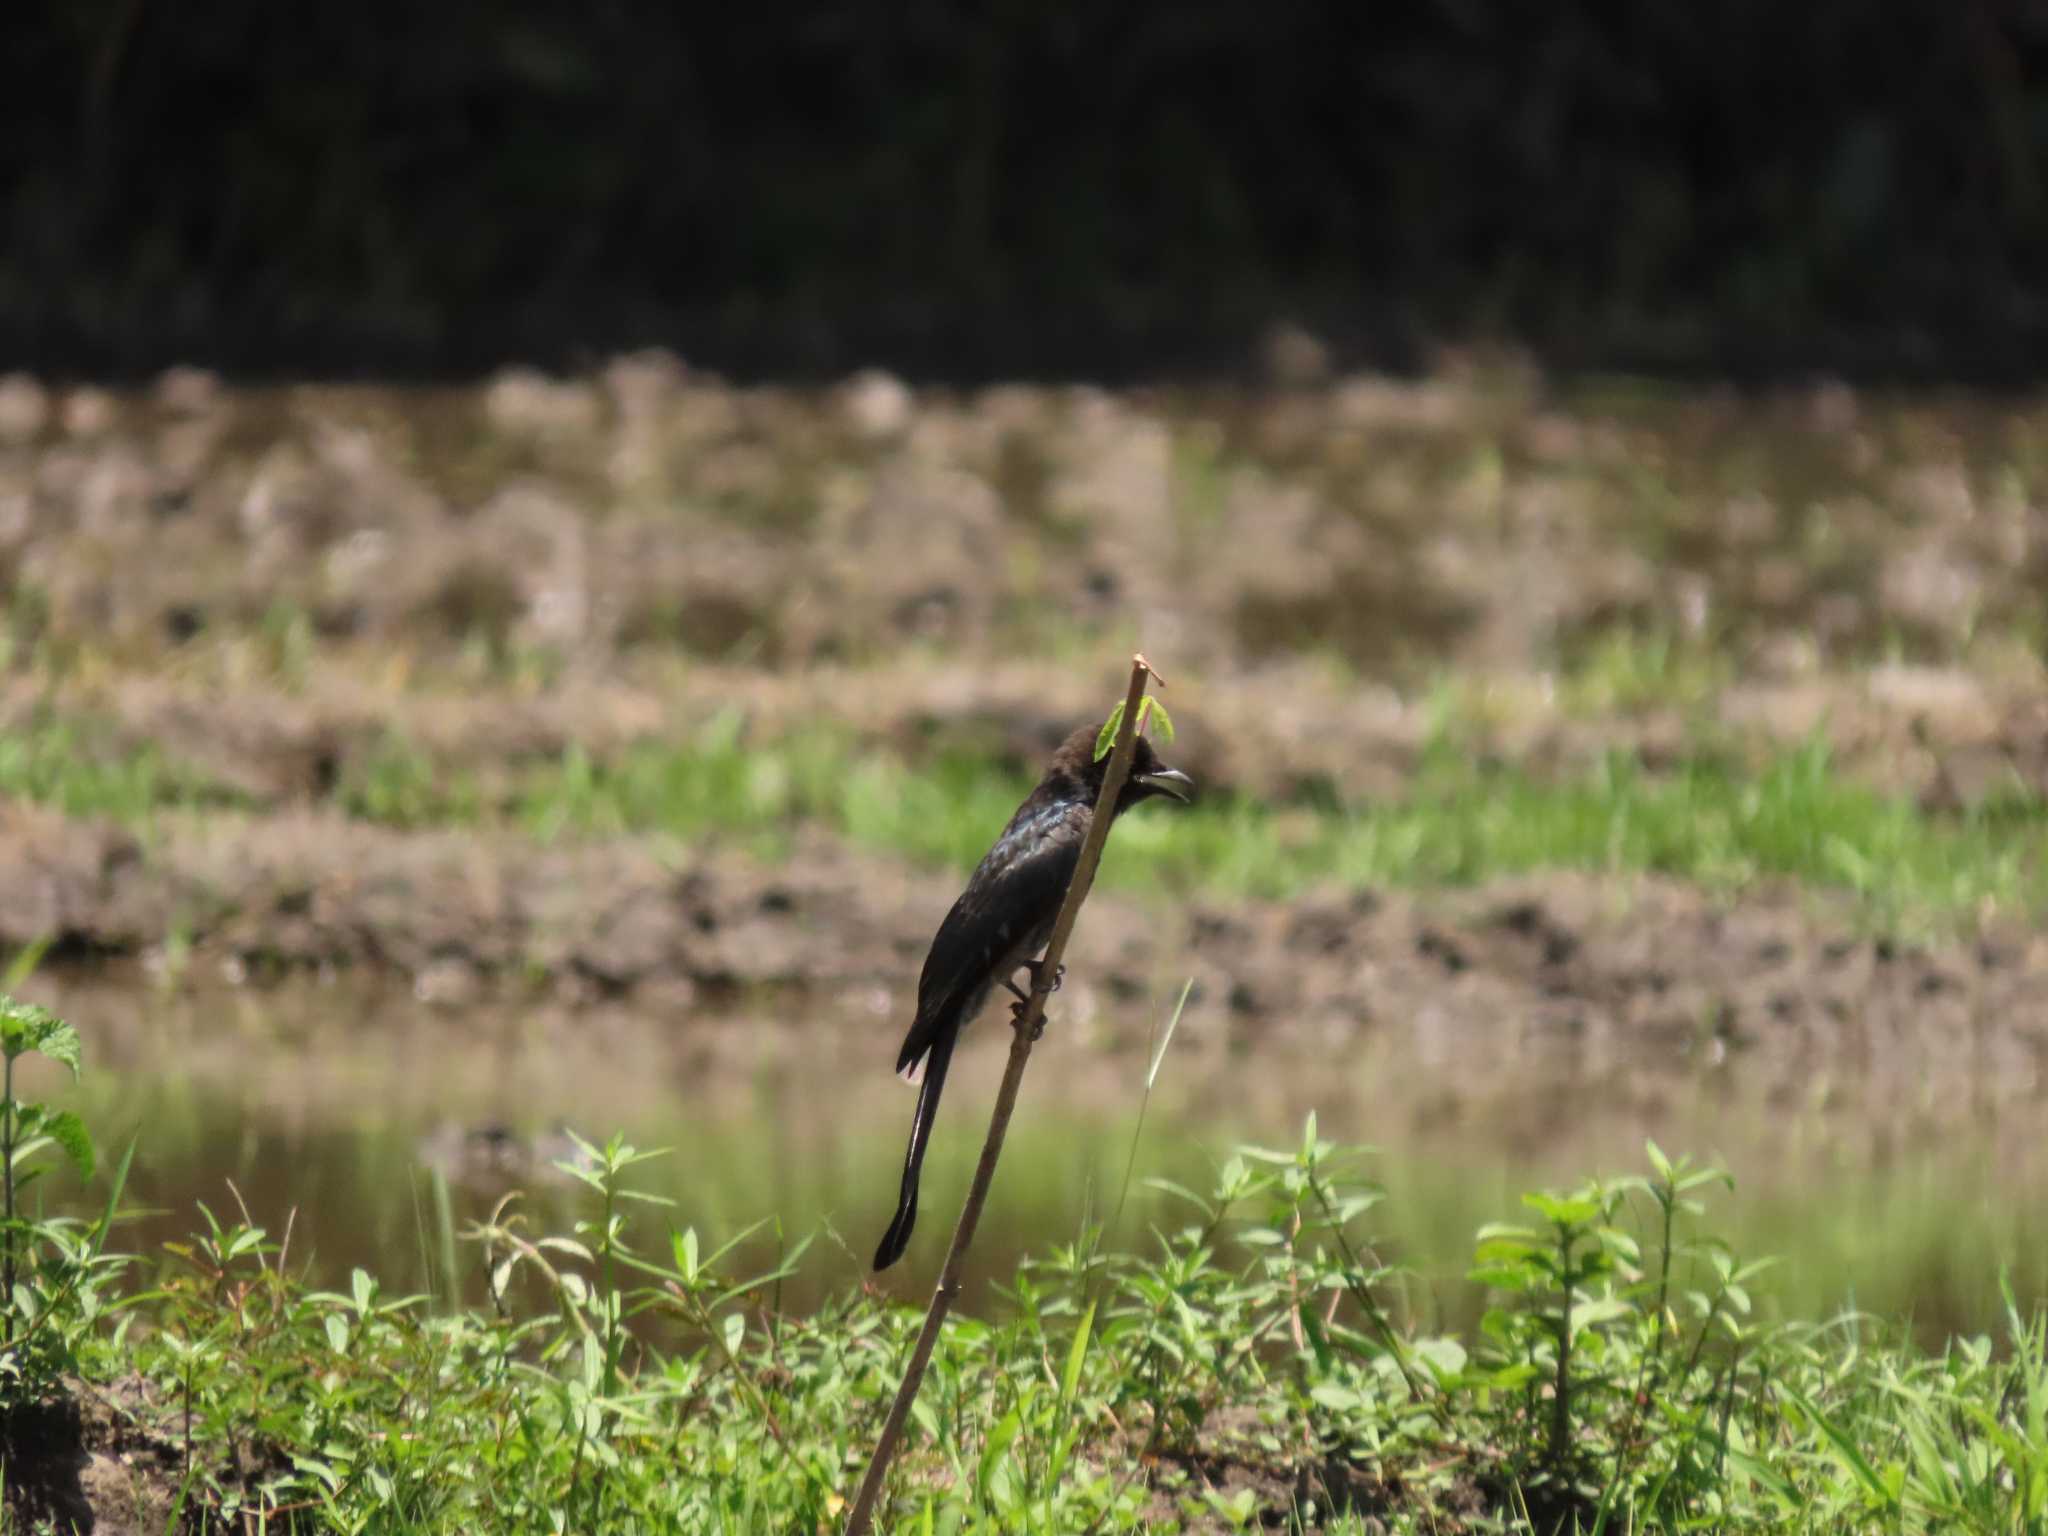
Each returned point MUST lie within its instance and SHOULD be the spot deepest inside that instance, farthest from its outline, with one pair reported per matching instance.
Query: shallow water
(338, 1115)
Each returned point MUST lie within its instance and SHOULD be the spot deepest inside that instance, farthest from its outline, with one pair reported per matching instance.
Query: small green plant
(1610, 1356)
(1249, 1368)
(1149, 710)
(27, 1129)
(1563, 1274)
(614, 1374)
(55, 1276)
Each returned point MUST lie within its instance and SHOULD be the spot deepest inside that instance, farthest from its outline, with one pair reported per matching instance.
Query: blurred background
(538, 545)
(1052, 189)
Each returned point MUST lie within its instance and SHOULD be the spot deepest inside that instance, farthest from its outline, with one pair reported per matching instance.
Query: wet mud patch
(1622, 981)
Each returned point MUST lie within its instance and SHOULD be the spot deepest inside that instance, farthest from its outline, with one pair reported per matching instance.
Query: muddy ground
(1480, 520)
(267, 585)
(266, 581)
(1541, 979)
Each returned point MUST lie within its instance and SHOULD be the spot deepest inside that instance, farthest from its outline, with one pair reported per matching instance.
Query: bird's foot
(1037, 970)
(1017, 1018)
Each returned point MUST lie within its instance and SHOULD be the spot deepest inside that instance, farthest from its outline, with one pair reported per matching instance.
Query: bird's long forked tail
(897, 1238)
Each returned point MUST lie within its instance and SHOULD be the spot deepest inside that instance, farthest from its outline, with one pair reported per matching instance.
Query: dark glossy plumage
(1001, 921)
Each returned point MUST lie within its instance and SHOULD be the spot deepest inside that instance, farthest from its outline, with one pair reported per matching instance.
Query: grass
(84, 771)
(1240, 1371)
(1706, 819)
(1621, 671)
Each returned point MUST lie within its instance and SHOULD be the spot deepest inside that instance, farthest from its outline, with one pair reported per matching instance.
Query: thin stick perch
(1025, 1030)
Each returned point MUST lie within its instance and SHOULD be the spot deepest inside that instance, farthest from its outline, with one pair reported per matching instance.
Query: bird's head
(1149, 776)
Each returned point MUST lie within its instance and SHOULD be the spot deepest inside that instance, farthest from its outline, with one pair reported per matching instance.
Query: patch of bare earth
(1477, 523)
(1601, 981)
(107, 1459)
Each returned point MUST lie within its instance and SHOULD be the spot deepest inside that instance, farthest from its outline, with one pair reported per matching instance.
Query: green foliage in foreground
(1239, 1374)
(1705, 819)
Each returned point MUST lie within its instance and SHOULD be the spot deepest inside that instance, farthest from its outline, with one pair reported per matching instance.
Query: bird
(1002, 919)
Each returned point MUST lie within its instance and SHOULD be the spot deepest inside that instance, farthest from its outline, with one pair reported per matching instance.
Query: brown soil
(111, 1460)
(105, 1460)
(269, 585)
(1549, 978)
(261, 578)
(1473, 522)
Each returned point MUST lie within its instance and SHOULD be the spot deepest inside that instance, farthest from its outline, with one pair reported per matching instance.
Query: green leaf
(320, 1471)
(1847, 1451)
(1507, 1249)
(1658, 1160)
(27, 1027)
(1000, 1439)
(1153, 710)
(1617, 1241)
(1106, 737)
(1505, 1277)
(1588, 1314)
(1237, 1508)
(1149, 709)
(1508, 1230)
(1569, 1211)
(1070, 1378)
(1445, 1357)
(1312, 1330)
(1766, 1476)
(1167, 1186)
(68, 1131)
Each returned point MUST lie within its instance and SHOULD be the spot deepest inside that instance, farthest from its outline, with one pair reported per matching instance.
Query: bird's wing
(1011, 899)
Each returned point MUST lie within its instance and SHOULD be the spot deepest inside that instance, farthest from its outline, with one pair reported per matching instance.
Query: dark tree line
(1026, 185)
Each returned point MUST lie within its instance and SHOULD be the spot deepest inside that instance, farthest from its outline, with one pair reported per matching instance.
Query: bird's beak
(1170, 781)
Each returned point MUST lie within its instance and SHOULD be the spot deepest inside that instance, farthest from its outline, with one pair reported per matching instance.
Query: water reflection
(353, 1119)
